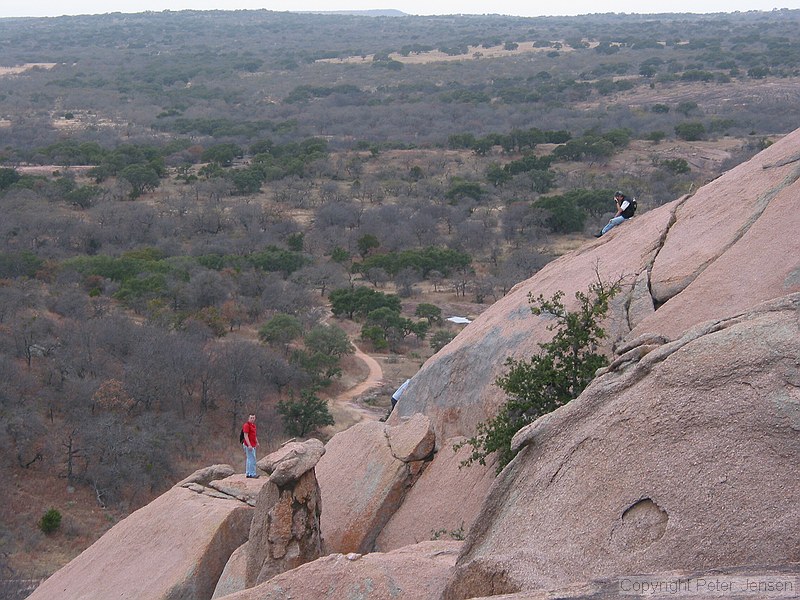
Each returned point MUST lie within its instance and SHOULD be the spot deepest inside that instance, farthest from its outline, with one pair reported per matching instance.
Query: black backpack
(241, 436)
(631, 209)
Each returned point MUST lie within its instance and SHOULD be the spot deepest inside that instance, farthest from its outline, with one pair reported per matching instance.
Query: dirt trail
(346, 409)
(374, 378)
(344, 405)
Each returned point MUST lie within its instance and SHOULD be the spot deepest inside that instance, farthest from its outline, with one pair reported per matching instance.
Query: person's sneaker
(598, 234)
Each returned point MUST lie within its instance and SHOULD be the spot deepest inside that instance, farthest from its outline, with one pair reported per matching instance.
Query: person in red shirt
(250, 444)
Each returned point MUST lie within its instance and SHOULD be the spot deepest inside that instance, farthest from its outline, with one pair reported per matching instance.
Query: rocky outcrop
(285, 532)
(364, 476)
(291, 461)
(362, 485)
(680, 455)
(685, 459)
(712, 255)
(175, 547)
(411, 573)
(428, 510)
(721, 215)
(412, 440)
(382, 490)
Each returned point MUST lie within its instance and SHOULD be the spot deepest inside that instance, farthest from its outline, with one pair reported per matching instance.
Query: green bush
(690, 131)
(19, 264)
(425, 260)
(50, 521)
(563, 214)
(360, 301)
(559, 373)
(676, 166)
(304, 416)
(8, 177)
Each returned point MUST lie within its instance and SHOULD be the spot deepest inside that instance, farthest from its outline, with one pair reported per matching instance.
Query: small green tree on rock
(559, 373)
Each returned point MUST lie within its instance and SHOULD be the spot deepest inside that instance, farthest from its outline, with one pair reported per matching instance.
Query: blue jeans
(250, 462)
(613, 223)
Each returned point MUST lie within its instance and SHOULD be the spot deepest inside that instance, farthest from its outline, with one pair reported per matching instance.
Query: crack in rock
(659, 353)
(662, 241)
(781, 163)
(761, 206)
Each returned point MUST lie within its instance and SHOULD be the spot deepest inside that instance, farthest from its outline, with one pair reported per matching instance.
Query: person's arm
(247, 441)
(619, 208)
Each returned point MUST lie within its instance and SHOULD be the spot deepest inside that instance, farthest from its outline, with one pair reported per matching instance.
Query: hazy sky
(530, 8)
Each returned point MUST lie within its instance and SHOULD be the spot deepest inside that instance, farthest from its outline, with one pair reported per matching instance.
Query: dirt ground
(473, 53)
(31, 495)
(16, 70)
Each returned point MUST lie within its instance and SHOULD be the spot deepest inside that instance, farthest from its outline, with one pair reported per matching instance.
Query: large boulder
(234, 575)
(411, 573)
(721, 214)
(236, 486)
(362, 485)
(734, 244)
(292, 460)
(175, 547)
(428, 509)
(206, 475)
(412, 440)
(686, 459)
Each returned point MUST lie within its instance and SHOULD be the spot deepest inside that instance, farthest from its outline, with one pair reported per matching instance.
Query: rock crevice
(662, 240)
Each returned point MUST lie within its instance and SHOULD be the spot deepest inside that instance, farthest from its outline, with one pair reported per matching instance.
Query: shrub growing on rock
(559, 373)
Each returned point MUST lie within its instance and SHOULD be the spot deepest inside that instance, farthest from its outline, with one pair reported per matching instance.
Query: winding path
(373, 380)
(347, 402)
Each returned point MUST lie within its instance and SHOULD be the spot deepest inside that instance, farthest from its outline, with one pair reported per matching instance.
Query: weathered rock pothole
(640, 525)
